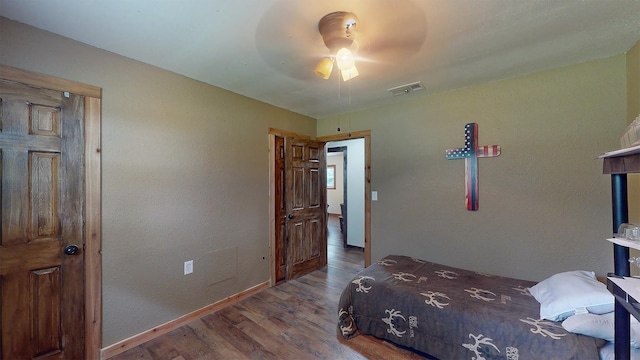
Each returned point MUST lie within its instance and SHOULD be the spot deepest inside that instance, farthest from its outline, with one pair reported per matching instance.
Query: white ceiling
(267, 49)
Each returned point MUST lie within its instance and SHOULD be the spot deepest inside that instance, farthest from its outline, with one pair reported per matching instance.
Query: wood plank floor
(293, 320)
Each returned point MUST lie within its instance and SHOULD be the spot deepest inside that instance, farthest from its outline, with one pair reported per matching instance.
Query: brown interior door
(280, 211)
(306, 206)
(41, 244)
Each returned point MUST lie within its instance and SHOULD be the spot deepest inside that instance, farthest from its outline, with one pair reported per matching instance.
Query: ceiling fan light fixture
(344, 58)
(349, 73)
(338, 30)
(324, 68)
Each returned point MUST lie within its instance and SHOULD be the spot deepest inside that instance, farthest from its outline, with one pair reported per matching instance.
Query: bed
(450, 313)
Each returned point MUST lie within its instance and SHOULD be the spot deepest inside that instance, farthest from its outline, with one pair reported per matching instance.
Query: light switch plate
(374, 196)
(188, 267)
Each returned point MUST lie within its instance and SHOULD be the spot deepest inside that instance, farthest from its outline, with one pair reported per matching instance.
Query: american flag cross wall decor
(470, 153)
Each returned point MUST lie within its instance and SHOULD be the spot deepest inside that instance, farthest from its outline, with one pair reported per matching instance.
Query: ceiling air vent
(405, 89)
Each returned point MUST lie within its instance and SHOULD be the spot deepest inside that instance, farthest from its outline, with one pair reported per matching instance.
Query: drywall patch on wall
(221, 265)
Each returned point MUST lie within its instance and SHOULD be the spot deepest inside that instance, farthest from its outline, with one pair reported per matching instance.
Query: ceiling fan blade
(388, 39)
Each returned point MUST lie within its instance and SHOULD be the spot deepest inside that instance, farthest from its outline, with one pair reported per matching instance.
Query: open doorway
(345, 200)
(273, 198)
(337, 188)
(363, 165)
(352, 197)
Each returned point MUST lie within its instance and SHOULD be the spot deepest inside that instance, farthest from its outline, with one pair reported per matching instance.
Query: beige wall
(185, 177)
(633, 110)
(544, 205)
(633, 82)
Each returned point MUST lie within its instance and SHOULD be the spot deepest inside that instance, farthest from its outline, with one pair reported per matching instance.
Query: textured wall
(633, 110)
(544, 204)
(185, 177)
(633, 82)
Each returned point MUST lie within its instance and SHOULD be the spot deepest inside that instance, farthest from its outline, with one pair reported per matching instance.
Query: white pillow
(567, 293)
(600, 326)
(607, 352)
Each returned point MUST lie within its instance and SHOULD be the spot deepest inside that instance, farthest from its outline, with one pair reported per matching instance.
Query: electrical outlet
(188, 267)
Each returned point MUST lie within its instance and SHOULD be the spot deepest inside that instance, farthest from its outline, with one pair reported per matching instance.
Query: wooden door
(306, 206)
(280, 211)
(42, 190)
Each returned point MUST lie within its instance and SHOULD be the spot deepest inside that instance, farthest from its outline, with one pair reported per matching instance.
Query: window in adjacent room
(331, 176)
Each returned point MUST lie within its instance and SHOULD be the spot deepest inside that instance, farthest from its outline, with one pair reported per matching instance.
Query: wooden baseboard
(126, 344)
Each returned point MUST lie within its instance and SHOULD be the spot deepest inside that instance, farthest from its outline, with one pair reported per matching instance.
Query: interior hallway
(350, 259)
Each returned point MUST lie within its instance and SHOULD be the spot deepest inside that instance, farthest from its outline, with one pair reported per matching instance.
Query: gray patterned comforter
(450, 313)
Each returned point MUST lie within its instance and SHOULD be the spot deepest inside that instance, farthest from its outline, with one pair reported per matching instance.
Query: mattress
(451, 313)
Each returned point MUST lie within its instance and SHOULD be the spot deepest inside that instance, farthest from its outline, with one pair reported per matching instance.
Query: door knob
(71, 249)
(290, 216)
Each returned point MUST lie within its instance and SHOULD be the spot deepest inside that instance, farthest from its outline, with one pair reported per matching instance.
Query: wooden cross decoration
(470, 153)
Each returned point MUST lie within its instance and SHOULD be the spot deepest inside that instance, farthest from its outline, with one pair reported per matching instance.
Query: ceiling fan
(338, 30)
(388, 40)
(297, 37)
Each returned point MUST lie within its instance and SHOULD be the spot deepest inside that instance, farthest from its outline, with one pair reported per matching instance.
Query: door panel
(316, 234)
(44, 209)
(46, 296)
(297, 240)
(297, 194)
(314, 188)
(42, 182)
(306, 206)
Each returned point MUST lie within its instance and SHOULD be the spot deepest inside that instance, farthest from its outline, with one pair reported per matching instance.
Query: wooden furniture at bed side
(620, 284)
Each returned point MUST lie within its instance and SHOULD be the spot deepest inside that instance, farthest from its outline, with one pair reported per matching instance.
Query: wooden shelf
(627, 243)
(629, 285)
(626, 290)
(622, 164)
(633, 150)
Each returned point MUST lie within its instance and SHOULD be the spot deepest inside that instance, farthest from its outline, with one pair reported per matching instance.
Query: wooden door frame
(93, 194)
(366, 135)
